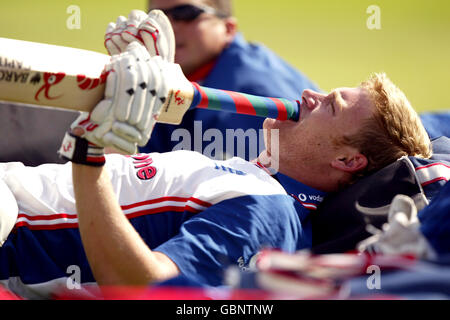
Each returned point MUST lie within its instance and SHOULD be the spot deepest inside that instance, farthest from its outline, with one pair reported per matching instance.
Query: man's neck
(308, 176)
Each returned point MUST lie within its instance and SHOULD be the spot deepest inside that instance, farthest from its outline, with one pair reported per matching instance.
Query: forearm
(115, 251)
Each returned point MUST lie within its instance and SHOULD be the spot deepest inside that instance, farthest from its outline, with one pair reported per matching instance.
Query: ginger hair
(394, 130)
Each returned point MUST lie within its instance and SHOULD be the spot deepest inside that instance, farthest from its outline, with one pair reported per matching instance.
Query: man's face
(324, 118)
(198, 41)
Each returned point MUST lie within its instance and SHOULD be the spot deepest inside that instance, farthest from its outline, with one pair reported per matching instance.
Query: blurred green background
(327, 39)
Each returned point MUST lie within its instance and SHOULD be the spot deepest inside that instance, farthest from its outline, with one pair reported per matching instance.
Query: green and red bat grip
(241, 103)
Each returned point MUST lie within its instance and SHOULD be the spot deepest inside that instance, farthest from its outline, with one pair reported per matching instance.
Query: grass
(326, 39)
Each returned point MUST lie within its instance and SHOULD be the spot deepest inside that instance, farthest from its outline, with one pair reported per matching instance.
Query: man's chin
(264, 158)
(267, 160)
(269, 123)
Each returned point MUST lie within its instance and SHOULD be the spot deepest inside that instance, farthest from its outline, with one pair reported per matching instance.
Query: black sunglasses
(189, 12)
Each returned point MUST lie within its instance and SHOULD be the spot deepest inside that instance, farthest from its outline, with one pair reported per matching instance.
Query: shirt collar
(202, 72)
(308, 197)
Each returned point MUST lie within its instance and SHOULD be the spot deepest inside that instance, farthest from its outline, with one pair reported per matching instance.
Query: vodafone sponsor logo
(308, 201)
(303, 197)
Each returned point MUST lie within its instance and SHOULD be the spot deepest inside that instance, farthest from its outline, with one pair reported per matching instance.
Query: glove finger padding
(102, 134)
(127, 80)
(139, 103)
(154, 83)
(88, 127)
(153, 30)
(103, 124)
(130, 33)
(103, 108)
(157, 34)
(109, 44)
(119, 143)
(102, 114)
(116, 34)
(158, 92)
(136, 118)
(127, 132)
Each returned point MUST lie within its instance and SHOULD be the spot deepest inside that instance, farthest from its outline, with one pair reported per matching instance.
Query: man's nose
(311, 98)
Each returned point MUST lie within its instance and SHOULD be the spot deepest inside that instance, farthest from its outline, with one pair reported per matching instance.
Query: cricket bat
(47, 75)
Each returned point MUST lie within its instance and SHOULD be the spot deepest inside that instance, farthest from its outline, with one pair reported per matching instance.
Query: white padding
(8, 211)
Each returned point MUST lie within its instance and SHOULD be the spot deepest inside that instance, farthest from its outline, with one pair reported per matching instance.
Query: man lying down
(145, 218)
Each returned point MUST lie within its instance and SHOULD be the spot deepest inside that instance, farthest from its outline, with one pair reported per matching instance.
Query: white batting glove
(154, 31)
(116, 36)
(138, 97)
(134, 95)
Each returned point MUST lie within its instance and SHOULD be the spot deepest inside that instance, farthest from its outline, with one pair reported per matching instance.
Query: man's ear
(350, 163)
(231, 28)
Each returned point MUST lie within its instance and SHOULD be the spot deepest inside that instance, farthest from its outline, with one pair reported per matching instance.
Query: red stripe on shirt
(46, 227)
(433, 164)
(47, 217)
(434, 180)
(162, 199)
(64, 225)
(160, 210)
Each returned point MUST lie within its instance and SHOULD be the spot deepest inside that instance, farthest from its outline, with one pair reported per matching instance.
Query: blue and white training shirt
(202, 213)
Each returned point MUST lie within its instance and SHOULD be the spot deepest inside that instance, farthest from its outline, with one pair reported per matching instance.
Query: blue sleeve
(232, 232)
(246, 67)
(436, 123)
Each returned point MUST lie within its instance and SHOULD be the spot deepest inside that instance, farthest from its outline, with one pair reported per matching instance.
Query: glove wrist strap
(79, 150)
